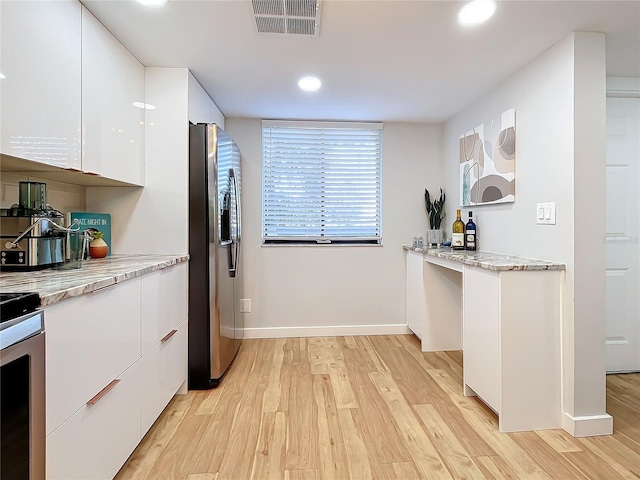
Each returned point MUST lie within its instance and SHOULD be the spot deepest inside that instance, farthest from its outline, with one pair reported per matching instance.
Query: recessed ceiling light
(476, 12)
(309, 84)
(146, 106)
(153, 3)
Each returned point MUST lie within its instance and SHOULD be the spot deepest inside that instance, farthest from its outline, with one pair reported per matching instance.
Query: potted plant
(435, 211)
(98, 248)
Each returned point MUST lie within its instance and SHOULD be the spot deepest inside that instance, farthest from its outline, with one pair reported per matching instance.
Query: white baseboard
(326, 331)
(588, 425)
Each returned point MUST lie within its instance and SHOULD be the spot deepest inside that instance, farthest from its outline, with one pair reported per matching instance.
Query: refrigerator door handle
(225, 219)
(238, 207)
(235, 233)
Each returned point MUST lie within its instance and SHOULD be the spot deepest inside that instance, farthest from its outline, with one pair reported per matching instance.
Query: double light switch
(546, 213)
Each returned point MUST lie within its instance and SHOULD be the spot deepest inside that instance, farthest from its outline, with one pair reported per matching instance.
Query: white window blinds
(321, 182)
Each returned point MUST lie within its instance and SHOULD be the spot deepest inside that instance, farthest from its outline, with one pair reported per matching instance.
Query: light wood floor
(367, 408)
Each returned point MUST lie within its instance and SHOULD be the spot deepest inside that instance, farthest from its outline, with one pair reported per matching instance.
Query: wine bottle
(457, 238)
(470, 233)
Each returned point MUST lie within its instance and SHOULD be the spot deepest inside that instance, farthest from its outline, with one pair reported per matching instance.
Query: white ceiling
(379, 60)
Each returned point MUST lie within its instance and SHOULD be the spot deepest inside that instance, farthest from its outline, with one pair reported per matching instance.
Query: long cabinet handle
(168, 336)
(103, 392)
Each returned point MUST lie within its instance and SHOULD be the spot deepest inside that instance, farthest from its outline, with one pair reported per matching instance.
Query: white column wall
(590, 119)
(332, 290)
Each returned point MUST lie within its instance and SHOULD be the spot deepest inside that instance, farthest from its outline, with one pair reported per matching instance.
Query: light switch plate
(546, 213)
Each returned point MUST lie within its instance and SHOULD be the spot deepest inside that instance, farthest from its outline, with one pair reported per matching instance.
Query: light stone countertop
(488, 260)
(57, 285)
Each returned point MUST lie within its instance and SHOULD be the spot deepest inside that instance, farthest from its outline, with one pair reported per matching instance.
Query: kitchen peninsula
(115, 355)
(504, 313)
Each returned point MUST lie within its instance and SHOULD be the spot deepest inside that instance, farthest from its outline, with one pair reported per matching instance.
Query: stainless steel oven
(22, 388)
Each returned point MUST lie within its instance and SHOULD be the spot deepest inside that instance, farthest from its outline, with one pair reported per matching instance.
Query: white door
(623, 217)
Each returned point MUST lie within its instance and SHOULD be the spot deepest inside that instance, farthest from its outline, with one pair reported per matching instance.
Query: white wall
(560, 157)
(326, 290)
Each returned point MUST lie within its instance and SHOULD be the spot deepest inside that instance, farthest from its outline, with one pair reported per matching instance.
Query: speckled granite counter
(490, 261)
(57, 285)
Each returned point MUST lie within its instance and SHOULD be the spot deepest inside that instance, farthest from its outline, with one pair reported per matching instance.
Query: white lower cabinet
(481, 340)
(511, 345)
(104, 389)
(416, 308)
(164, 303)
(90, 340)
(96, 441)
(163, 372)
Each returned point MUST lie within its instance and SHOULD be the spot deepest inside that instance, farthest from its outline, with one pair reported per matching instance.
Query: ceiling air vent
(287, 17)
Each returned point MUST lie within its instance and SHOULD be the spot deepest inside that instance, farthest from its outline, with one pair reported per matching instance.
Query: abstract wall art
(487, 162)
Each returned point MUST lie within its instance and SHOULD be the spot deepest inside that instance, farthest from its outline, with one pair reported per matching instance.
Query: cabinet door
(113, 128)
(416, 308)
(199, 103)
(96, 441)
(164, 303)
(163, 371)
(40, 94)
(481, 334)
(90, 340)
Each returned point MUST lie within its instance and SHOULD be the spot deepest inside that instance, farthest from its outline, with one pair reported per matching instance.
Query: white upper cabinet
(112, 127)
(201, 107)
(40, 94)
(200, 104)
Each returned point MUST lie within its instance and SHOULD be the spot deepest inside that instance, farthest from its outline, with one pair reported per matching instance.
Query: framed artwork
(488, 161)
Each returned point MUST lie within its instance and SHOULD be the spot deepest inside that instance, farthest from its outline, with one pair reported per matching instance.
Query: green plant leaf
(435, 208)
(96, 234)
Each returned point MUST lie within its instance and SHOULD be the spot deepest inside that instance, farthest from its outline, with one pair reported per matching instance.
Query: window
(321, 182)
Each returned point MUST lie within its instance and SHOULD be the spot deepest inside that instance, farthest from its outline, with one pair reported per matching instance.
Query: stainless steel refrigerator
(215, 240)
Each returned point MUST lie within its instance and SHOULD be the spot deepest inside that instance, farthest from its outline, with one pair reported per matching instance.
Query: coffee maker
(32, 233)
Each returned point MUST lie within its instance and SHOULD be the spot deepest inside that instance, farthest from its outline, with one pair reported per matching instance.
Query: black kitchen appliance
(215, 266)
(22, 387)
(32, 234)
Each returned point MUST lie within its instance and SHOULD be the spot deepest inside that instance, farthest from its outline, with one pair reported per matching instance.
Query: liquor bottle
(470, 234)
(457, 239)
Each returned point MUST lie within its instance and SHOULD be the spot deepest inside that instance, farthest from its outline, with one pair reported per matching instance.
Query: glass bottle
(457, 237)
(470, 234)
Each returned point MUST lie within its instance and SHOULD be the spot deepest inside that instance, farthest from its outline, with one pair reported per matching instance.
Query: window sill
(315, 245)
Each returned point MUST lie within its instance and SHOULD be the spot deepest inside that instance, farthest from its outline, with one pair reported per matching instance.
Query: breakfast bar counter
(57, 285)
(488, 260)
(505, 314)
